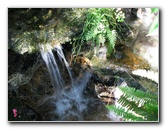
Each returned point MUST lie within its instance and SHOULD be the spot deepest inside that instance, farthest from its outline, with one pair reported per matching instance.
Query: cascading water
(62, 57)
(68, 102)
(53, 69)
(71, 102)
(56, 78)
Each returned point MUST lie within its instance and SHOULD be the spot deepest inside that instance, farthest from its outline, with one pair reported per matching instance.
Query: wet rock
(142, 45)
(147, 48)
(115, 81)
(125, 57)
(24, 112)
(96, 111)
(108, 91)
(135, 35)
(27, 83)
(130, 13)
(118, 77)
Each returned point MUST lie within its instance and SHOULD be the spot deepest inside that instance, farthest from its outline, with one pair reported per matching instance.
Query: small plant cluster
(100, 27)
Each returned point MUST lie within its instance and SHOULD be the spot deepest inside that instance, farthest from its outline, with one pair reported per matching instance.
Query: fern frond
(136, 105)
(111, 36)
(136, 95)
(126, 115)
(100, 39)
(100, 26)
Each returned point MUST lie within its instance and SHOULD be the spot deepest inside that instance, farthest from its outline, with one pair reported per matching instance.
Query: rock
(30, 27)
(147, 48)
(109, 92)
(144, 46)
(101, 52)
(127, 59)
(146, 16)
(24, 112)
(118, 55)
(21, 68)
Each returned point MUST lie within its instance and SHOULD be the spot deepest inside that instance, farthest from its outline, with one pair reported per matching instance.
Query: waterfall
(62, 57)
(56, 78)
(69, 102)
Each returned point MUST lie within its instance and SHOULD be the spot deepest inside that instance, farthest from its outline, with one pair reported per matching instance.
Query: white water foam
(71, 102)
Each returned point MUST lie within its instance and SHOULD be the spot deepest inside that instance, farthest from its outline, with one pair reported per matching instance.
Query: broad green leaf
(153, 10)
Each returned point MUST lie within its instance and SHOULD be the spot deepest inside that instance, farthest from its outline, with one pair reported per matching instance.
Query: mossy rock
(28, 28)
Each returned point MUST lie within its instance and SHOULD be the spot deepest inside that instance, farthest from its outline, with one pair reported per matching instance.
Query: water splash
(71, 102)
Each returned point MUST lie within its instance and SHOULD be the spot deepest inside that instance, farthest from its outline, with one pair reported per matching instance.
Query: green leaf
(154, 27)
(153, 10)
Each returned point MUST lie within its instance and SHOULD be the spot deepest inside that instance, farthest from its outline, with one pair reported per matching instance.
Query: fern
(100, 27)
(111, 36)
(100, 39)
(122, 112)
(136, 105)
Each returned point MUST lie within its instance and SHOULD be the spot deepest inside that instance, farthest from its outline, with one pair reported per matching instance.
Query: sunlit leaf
(154, 27)
(153, 10)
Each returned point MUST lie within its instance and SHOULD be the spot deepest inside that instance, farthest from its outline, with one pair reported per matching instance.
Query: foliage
(136, 105)
(100, 28)
(154, 10)
(154, 26)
